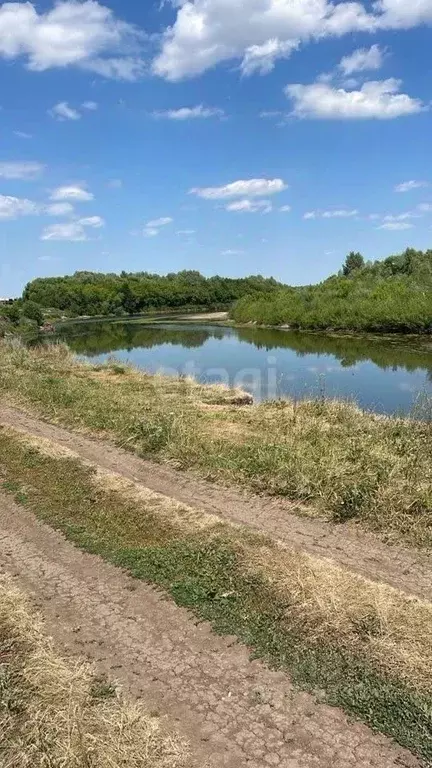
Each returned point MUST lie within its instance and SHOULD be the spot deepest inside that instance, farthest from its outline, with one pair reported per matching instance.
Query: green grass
(211, 572)
(335, 459)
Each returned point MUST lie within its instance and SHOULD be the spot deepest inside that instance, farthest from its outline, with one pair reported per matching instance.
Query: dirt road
(400, 567)
(235, 712)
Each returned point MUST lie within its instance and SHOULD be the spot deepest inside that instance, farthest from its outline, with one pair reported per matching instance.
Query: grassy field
(333, 458)
(364, 646)
(55, 713)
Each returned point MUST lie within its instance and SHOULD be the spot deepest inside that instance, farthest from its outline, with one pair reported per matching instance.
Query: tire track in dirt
(364, 553)
(235, 712)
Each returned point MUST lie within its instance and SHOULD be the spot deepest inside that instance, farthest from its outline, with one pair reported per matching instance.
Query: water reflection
(384, 374)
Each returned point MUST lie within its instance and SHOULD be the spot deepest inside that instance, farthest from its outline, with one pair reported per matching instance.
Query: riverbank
(330, 457)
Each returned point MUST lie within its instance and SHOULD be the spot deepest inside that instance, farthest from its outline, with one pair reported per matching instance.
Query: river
(386, 375)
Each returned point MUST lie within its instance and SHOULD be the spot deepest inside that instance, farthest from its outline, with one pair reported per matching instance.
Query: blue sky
(229, 136)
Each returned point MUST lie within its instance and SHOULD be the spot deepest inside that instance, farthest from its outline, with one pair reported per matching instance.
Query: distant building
(4, 300)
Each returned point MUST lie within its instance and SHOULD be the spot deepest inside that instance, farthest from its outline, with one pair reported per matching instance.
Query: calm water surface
(385, 375)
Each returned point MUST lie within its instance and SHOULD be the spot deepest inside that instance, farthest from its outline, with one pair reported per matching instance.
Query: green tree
(353, 262)
(32, 311)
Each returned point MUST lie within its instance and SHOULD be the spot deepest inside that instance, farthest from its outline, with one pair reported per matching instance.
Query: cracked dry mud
(234, 711)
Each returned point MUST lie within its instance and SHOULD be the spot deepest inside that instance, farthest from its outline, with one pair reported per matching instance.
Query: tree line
(393, 295)
(93, 293)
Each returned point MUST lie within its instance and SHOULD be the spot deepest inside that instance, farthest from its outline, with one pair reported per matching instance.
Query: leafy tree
(32, 311)
(353, 262)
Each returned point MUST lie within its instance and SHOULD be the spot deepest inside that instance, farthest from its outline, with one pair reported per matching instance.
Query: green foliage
(32, 311)
(394, 295)
(353, 262)
(93, 293)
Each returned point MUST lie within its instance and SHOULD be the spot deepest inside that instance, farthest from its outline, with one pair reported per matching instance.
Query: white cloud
(23, 135)
(162, 222)
(285, 208)
(207, 32)
(62, 111)
(92, 106)
(82, 34)
(250, 206)
(128, 68)
(185, 232)
(396, 225)
(341, 213)
(401, 216)
(232, 252)
(72, 231)
(72, 192)
(379, 100)
(150, 232)
(425, 207)
(59, 209)
(407, 186)
(338, 213)
(14, 207)
(258, 32)
(25, 170)
(92, 221)
(362, 59)
(189, 113)
(241, 188)
(262, 58)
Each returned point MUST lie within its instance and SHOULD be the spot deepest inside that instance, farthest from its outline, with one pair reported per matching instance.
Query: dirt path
(236, 712)
(364, 553)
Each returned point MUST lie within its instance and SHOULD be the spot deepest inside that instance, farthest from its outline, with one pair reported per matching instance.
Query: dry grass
(366, 645)
(55, 714)
(326, 602)
(334, 605)
(339, 461)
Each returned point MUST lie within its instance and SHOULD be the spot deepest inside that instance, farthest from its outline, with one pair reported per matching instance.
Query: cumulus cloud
(92, 221)
(62, 111)
(241, 188)
(76, 192)
(14, 207)
(378, 100)
(262, 58)
(72, 231)
(26, 170)
(362, 59)
(189, 113)
(285, 208)
(207, 32)
(250, 206)
(82, 34)
(407, 186)
(59, 209)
